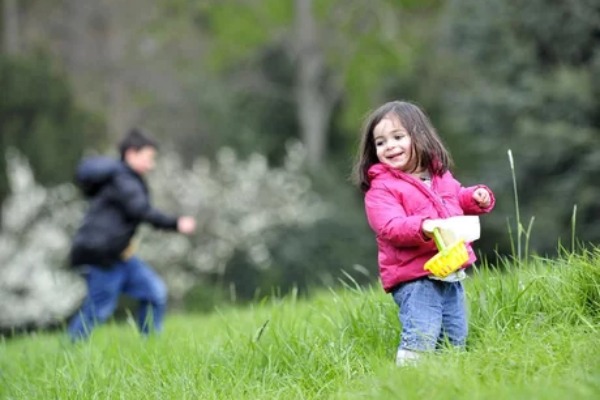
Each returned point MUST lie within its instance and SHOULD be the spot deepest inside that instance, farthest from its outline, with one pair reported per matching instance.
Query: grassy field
(535, 334)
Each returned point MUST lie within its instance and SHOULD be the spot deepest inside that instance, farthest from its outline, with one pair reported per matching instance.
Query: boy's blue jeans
(132, 277)
(431, 312)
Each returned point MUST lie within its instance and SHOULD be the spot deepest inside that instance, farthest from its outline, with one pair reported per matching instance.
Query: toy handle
(439, 241)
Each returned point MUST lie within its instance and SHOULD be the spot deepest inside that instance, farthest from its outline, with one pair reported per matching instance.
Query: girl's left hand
(482, 197)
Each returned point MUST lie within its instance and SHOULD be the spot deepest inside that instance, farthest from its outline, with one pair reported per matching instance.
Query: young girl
(403, 168)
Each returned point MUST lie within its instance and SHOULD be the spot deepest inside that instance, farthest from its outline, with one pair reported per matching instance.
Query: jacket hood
(93, 172)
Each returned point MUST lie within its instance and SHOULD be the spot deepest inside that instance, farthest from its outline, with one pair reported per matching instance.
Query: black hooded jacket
(118, 202)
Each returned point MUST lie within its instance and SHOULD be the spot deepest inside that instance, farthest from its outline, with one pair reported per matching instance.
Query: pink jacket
(397, 204)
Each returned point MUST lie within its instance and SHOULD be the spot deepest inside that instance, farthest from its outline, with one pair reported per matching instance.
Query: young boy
(118, 202)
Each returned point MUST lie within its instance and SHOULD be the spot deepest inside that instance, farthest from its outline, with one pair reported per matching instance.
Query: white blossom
(34, 289)
(238, 205)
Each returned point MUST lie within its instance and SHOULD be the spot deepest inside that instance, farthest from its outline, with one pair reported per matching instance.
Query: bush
(38, 115)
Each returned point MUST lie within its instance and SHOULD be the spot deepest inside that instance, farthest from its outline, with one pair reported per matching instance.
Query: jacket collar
(381, 169)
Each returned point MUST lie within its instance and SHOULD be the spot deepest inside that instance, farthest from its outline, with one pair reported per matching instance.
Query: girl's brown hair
(427, 146)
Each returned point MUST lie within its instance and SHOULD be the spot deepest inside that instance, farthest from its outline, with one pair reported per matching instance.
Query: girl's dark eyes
(396, 137)
(381, 142)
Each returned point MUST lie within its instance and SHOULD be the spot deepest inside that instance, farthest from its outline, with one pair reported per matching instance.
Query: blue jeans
(431, 312)
(132, 277)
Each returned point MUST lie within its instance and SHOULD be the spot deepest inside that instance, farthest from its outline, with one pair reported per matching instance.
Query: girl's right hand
(482, 197)
(447, 236)
(429, 225)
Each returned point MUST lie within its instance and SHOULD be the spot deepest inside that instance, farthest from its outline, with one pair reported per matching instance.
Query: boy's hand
(186, 225)
(482, 197)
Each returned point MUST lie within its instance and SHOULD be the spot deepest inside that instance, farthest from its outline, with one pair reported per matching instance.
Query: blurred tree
(117, 66)
(524, 75)
(39, 117)
(10, 23)
(307, 70)
(4, 186)
(315, 96)
(338, 246)
(339, 54)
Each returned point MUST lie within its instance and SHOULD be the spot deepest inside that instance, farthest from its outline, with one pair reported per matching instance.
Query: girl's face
(393, 144)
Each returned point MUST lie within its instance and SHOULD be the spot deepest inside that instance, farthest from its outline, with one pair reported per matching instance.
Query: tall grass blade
(517, 213)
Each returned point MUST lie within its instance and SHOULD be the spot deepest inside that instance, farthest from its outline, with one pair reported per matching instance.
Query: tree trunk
(10, 46)
(75, 53)
(116, 96)
(10, 16)
(314, 106)
(4, 189)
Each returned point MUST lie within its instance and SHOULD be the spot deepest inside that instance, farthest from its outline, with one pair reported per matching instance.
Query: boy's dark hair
(427, 146)
(136, 139)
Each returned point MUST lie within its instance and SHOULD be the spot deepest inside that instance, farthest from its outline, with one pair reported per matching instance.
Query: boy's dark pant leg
(103, 288)
(145, 285)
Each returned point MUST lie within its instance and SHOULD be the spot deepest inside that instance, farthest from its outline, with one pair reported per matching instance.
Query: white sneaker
(406, 358)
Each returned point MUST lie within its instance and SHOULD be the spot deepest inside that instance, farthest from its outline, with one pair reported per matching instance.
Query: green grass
(535, 334)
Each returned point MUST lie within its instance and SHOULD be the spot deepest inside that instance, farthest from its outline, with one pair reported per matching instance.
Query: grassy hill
(535, 334)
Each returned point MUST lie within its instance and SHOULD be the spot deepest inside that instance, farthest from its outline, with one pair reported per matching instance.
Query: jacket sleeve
(135, 202)
(468, 204)
(388, 219)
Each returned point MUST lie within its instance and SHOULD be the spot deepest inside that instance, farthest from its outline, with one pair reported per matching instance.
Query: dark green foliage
(251, 106)
(4, 189)
(528, 82)
(38, 116)
(321, 255)
(336, 249)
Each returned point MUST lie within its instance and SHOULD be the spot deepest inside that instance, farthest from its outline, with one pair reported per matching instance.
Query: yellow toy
(449, 259)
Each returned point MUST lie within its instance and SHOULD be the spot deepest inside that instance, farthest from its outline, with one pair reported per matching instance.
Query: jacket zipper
(437, 200)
